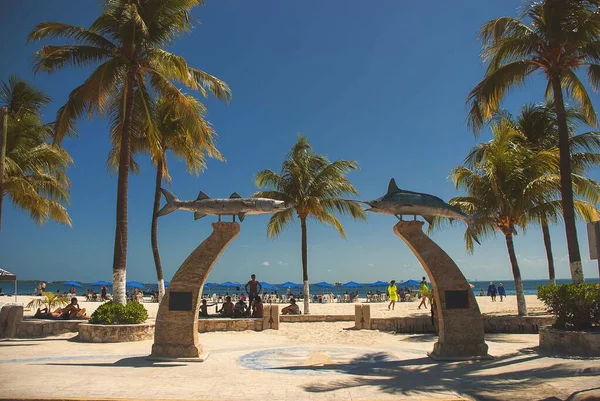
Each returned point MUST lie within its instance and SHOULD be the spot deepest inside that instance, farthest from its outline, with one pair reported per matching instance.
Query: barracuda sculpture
(399, 202)
(234, 206)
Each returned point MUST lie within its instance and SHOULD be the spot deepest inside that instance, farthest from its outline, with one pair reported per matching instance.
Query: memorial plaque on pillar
(180, 301)
(457, 299)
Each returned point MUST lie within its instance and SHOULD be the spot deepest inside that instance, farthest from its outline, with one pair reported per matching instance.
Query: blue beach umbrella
(267, 286)
(101, 283)
(167, 283)
(73, 284)
(351, 284)
(324, 284)
(411, 283)
(135, 284)
(378, 284)
(290, 285)
(230, 284)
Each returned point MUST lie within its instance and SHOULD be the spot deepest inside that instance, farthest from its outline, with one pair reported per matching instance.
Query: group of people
(71, 311)
(394, 295)
(493, 291)
(93, 296)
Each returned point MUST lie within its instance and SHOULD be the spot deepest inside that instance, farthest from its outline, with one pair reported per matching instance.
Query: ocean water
(28, 287)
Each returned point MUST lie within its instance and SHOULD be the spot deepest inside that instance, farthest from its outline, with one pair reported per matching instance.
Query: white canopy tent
(8, 276)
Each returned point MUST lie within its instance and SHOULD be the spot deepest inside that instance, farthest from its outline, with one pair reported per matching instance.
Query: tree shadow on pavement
(132, 362)
(483, 380)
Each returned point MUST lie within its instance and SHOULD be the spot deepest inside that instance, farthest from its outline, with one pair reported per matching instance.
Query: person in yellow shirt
(393, 294)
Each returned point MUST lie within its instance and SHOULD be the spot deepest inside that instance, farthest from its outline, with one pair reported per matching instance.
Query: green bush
(114, 313)
(576, 306)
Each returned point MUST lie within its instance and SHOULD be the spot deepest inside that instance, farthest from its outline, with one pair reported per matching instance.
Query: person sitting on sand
(45, 314)
(257, 307)
(73, 311)
(291, 309)
(204, 308)
(239, 310)
(227, 308)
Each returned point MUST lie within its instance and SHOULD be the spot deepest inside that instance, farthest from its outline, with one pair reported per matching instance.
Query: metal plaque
(457, 299)
(181, 301)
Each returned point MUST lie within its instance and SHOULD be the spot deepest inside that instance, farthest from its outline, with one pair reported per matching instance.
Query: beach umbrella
(5, 275)
(167, 283)
(411, 283)
(351, 284)
(135, 284)
(73, 284)
(230, 284)
(378, 284)
(290, 285)
(267, 286)
(324, 284)
(101, 283)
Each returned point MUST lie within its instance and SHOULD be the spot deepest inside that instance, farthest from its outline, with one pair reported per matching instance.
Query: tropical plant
(50, 301)
(34, 170)
(537, 123)
(312, 187)
(556, 37)
(125, 44)
(576, 307)
(115, 313)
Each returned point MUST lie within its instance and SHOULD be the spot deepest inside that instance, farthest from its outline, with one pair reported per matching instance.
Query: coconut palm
(556, 37)
(188, 137)
(34, 170)
(312, 187)
(537, 123)
(49, 300)
(125, 45)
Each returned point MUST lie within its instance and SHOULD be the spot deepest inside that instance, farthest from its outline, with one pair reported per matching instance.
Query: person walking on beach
(393, 294)
(103, 293)
(253, 288)
(492, 291)
(424, 290)
(501, 291)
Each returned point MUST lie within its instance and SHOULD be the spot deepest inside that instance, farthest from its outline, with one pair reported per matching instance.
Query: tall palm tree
(312, 187)
(125, 43)
(34, 170)
(556, 37)
(537, 123)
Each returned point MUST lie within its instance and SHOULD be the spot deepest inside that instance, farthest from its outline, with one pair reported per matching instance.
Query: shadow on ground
(483, 380)
(133, 362)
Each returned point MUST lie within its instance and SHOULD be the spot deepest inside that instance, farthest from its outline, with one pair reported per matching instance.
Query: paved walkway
(302, 361)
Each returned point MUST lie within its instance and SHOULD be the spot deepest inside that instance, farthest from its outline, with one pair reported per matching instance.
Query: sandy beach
(378, 309)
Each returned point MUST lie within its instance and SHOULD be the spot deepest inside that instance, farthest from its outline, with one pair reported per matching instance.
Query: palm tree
(497, 177)
(49, 301)
(312, 187)
(556, 37)
(189, 137)
(537, 123)
(125, 44)
(34, 170)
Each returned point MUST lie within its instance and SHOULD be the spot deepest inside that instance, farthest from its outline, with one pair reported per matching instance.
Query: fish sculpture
(234, 206)
(399, 202)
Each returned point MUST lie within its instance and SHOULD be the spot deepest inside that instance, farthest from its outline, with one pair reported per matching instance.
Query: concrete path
(302, 361)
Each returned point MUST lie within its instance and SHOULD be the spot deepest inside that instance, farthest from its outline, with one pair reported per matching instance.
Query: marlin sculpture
(233, 206)
(399, 202)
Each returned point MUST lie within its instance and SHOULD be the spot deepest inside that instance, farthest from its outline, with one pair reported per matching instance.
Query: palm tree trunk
(154, 229)
(566, 186)
(120, 252)
(548, 245)
(521, 305)
(306, 291)
(3, 139)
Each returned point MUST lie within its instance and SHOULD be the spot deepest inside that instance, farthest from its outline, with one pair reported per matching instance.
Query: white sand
(379, 309)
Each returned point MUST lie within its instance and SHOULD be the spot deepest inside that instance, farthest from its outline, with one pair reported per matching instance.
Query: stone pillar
(458, 316)
(362, 316)
(176, 331)
(271, 317)
(14, 316)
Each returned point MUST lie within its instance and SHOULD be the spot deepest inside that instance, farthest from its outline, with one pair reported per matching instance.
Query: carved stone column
(458, 316)
(176, 330)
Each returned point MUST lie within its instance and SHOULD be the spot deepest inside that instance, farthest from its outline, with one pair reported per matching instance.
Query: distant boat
(337, 283)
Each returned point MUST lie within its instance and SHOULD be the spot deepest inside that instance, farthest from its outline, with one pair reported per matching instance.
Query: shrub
(576, 306)
(114, 313)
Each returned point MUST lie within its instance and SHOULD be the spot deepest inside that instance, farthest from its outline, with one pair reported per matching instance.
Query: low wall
(576, 343)
(115, 333)
(315, 318)
(35, 328)
(227, 324)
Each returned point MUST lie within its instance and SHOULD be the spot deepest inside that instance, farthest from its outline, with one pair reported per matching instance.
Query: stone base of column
(459, 352)
(203, 357)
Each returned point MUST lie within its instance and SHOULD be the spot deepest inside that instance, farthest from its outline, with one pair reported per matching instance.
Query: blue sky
(382, 83)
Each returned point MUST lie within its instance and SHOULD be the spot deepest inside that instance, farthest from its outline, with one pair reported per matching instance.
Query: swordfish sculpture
(232, 206)
(399, 202)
